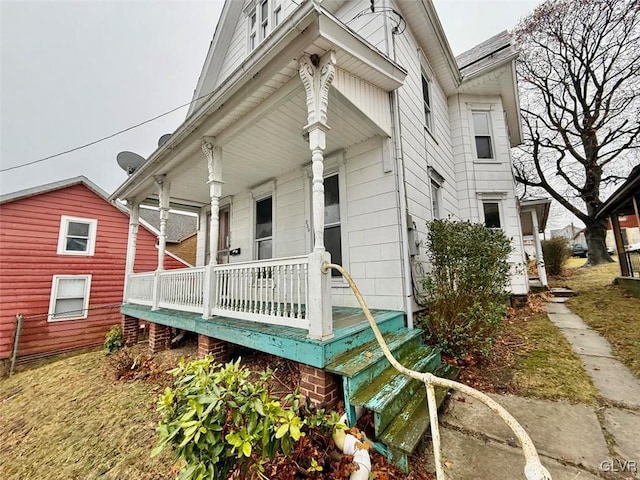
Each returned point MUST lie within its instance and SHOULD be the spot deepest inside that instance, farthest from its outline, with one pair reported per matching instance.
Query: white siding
(237, 50)
(357, 16)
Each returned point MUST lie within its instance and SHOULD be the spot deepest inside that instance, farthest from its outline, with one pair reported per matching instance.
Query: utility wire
(105, 138)
(75, 312)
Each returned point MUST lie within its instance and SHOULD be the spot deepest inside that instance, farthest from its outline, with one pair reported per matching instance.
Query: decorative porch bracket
(213, 153)
(316, 74)
(134, 218)
(164, 189)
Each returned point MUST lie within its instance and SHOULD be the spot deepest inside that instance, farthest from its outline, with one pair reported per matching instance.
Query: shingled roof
(179, 225)
(490, 53)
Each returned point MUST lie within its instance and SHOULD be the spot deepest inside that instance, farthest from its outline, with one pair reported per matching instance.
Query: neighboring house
(181, 232)
(570, 232)
(629, 231)
(62, 264)
(325, 131)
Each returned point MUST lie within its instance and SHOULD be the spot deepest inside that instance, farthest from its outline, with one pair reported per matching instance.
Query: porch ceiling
(270, 147)
(258, 112)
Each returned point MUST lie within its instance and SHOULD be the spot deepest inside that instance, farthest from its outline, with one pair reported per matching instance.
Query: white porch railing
(268, 291)
(182, 289)
(140, 288)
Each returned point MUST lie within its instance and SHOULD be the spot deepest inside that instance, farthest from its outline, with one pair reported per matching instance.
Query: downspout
(350, 445)
(402, 200)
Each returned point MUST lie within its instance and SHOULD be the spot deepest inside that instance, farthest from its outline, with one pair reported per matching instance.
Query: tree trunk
(596, 234)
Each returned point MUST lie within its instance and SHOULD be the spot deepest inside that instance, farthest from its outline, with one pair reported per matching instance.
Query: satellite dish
(163, 139)
(129, 161)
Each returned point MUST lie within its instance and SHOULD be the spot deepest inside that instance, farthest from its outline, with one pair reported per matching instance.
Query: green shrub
(218, 421)
(467, 286)
(113, 340)
(555, 252)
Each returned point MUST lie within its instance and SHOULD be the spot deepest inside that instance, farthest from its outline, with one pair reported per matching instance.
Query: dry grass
(547, 367)
(607, 308)
(66, 420)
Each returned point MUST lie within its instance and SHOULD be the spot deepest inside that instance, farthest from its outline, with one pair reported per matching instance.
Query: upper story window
(263, 16)
(426, 100)
(69, 297)
(77, 236)
(435, 200)
(482, 132)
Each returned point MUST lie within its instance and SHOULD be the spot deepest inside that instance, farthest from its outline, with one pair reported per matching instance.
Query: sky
(73, 72)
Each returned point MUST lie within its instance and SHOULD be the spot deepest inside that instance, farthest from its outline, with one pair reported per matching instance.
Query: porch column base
(218, 348)
(130, 329)
(322, 388)
(159, 337)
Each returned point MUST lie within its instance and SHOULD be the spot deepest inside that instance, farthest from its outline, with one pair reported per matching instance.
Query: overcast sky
(72, 72)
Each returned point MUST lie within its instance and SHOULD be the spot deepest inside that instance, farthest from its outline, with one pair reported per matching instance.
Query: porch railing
(268, 291)
(633, 259)
(182, 289)
(140, 288)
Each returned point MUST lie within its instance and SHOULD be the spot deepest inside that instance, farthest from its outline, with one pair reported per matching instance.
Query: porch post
(214, 166)
(542, 271)
(134, 215)
(317, 74)
(625, 271)
(163, 197)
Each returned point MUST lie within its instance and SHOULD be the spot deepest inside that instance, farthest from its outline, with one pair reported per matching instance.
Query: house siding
(29, 229)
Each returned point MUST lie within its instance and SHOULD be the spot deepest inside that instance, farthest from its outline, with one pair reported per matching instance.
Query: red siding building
(62, 266)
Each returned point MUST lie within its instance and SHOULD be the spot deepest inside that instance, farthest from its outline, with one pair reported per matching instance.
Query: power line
(107, 137)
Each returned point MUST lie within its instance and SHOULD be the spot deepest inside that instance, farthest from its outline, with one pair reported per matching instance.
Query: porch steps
(398, 403)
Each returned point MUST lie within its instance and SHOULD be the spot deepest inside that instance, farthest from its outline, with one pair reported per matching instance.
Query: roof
(487, 55)
(541, 206)
(179, 225)
(50, 187)
(621, 201)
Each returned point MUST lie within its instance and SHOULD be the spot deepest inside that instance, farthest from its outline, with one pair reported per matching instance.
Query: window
(435, 199)
(332, 228)
(69, 297)
(252, 31)
(264, 228)
(426, 100)
(264, 19)
(77, 236)
(277, 15)
(491, 214)
(482, 131)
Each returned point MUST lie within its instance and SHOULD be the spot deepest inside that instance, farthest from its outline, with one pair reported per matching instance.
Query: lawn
(605, 307)
(67, 420)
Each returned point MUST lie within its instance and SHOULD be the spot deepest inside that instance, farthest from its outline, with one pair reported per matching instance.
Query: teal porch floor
(350, 329)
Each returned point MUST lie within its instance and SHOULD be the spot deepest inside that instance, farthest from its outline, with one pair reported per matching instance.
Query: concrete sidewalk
(574, 441)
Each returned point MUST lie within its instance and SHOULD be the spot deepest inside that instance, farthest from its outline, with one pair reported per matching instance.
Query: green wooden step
(362, 365)
(405, 432)
(388, 394)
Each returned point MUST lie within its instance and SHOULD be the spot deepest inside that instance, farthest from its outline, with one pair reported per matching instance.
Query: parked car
(579, 250)
(634, 247)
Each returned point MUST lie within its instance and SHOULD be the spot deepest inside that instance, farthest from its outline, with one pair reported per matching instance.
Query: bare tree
(578, 74)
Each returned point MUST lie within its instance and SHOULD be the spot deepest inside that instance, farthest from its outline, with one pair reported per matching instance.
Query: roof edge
(50, 187)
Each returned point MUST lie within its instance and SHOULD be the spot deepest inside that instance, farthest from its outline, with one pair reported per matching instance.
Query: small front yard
(605, 307)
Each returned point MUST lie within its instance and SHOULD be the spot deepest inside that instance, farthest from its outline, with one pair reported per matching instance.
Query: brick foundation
(218, 348)
(130, 328)
(322, 388)
(159, 337)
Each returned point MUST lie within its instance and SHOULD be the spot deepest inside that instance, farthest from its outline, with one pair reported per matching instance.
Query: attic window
(262, 17)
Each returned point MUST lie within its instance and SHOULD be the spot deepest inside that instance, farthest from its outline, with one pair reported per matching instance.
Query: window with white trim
(332, 223)
(253, 30)
(491, 212)
(482, 133)
(264, 228)
(69, 297)
(435, 200)
(426, 100)
(277, 14)
(77, 236)
(262, 17)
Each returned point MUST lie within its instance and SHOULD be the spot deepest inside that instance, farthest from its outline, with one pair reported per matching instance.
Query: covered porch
(296, 104)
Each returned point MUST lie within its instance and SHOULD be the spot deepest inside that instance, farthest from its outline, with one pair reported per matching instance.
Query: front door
(223, 236)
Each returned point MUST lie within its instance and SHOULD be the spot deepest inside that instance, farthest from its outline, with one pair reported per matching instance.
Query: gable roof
(179, 225)
(50, 187)
(622, 200)
(489, 54)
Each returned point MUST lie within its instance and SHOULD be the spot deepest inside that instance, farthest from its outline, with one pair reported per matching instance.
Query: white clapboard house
(324, 131)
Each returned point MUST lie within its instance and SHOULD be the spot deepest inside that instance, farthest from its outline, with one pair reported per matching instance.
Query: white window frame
(277, 14)
(260, 193)
(437, 182)
(63, 234)
(262, 26)
(333, 165)
(492, 143)
(427, 100)
(492, 197)
(55, 283)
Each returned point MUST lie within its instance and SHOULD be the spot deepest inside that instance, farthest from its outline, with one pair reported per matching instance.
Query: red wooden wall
(29, 230)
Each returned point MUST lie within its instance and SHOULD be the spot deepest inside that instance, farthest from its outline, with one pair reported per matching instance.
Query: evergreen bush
(467, 286)
(113, 340)
(555, 251)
